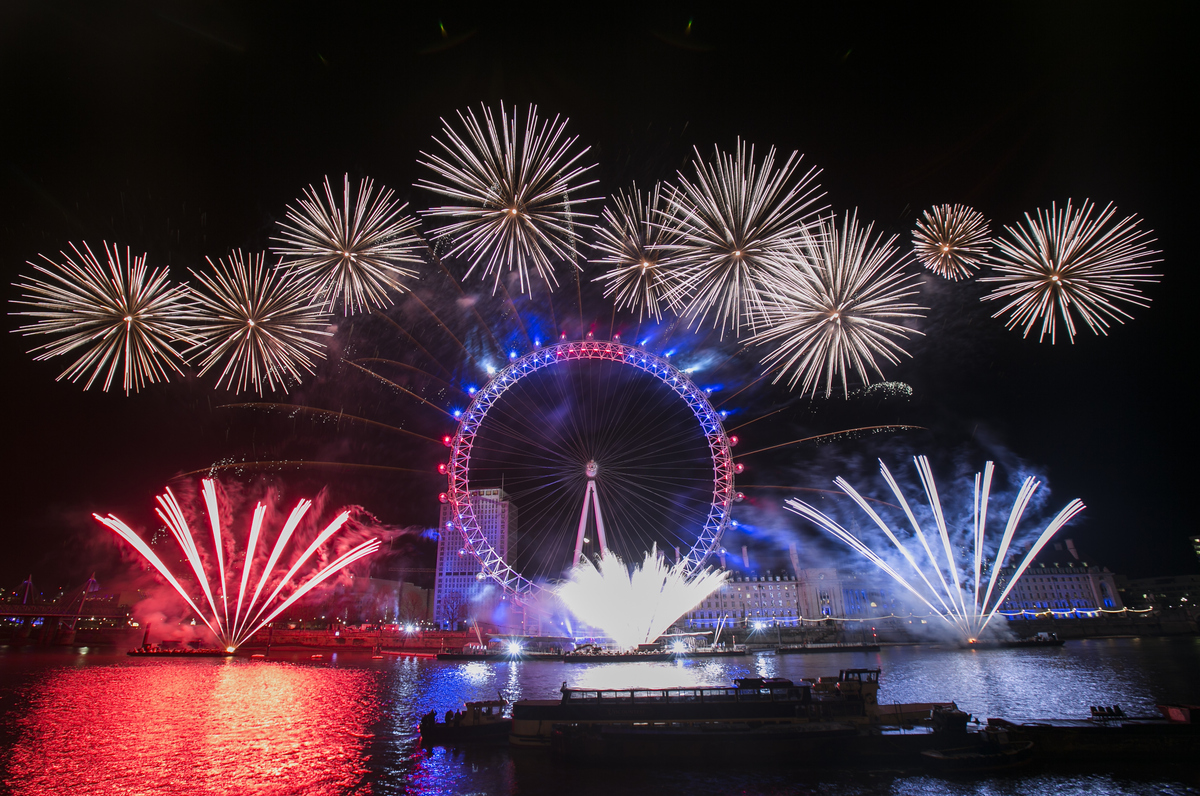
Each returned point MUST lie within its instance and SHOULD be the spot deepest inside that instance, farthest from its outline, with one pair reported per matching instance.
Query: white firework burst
(512, 189)
(631, 239)
(259, 320)
(124, 317)
(635, 606)
(734, 224)
(835, 306)
(957, 588)
(1066, 263)
(349, 253)
(951, 240)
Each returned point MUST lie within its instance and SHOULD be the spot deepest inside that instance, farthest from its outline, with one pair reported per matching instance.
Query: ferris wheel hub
(591, 468)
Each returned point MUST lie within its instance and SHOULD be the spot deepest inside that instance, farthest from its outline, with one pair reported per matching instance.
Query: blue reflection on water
(1015, 684)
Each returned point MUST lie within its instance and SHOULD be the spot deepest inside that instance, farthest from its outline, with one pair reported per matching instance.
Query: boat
(1040, 640)
(598, 655)
(750, 703)
(794, 649)
(736, 650)
(655, 741)
(481, 722)
(980, 757)
(175, 652)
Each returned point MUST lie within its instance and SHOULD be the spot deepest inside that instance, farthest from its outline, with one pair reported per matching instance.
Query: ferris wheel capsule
(443, 498)
(733, 440)
(442, 468)
(447, 439)
(737, 498)
(739, 468)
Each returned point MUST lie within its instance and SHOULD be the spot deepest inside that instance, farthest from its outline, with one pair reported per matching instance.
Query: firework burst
(631, 239)
(952, 587)
(349, 252)
(635, 607)
(833, 307)
(249, 612)
(1066, 263)
(733, 225)
(124, 316)
(512, 191)
(259, 320)
(950, 240)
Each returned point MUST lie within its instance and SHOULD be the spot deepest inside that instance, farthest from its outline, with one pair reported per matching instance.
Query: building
(461, 593)
(786, 600)
(1169, 591)
(1060, 583)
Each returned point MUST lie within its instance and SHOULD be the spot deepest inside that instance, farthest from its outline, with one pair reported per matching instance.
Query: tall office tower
(460, 592)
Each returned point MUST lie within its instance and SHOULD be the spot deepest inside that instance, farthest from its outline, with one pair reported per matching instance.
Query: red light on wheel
(739, 468)
(443, 498)
(739, 497)
(442, 468)
(446, 440)
(733, 440)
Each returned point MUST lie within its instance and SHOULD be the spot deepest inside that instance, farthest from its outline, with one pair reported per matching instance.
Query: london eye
(601, 446)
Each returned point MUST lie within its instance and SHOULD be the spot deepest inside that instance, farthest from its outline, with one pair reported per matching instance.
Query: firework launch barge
(756, 716)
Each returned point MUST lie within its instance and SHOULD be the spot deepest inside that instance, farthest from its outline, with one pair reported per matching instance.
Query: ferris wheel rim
(462, 514)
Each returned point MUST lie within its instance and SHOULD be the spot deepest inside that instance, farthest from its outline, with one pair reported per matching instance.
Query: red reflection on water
(183, 727)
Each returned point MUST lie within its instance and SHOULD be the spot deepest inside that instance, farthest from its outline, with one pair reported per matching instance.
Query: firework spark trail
(951, 240)
(124, 316)
(232, 632)
(969, 622)
(349, 253)
(1067, 263)
(635, 607)
(513, 189)
(631, 239)
(733, 225)
(833, 306)
(209, 489)
(259, 320)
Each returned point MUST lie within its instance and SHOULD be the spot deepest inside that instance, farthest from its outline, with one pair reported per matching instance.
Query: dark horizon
(185, 132)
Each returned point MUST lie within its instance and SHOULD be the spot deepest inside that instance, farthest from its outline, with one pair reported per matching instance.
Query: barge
(796, 649)
(750, 707)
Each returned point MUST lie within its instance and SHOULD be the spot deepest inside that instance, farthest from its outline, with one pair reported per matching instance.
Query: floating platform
(157, 652)
(801, 649)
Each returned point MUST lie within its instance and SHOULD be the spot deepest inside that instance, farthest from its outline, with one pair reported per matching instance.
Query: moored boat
(480, 722)
(753, 702)
(797, 649)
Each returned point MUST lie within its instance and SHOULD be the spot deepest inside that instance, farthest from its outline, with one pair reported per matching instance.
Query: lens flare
(249, 612)
(954, 584)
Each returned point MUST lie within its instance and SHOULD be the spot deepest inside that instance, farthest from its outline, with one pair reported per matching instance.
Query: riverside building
(788, 600)
(461, 593)
(1062, 584)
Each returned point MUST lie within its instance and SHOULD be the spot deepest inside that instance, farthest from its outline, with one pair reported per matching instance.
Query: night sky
(184, 129)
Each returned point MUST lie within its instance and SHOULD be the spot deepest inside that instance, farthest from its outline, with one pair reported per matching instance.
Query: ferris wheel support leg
(599, 519)
(590, 498)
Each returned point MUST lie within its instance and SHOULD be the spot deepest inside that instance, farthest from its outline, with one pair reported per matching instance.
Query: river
(97, 722)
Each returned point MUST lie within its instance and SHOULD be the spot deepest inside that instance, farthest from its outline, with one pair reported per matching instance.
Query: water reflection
(203, 726)
(101, 723)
